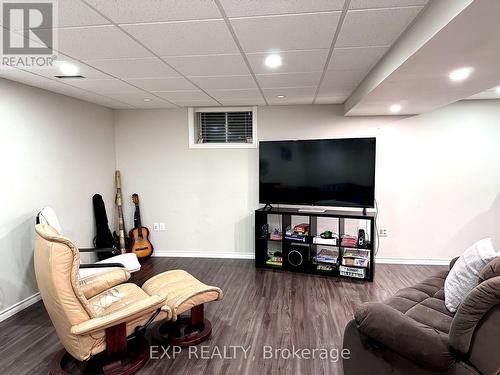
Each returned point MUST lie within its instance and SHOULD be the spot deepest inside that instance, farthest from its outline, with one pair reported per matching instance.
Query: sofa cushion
(492, 269)
(464, 276)
(418, 342)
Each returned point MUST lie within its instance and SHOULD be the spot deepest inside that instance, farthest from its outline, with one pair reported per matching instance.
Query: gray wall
(55, 151)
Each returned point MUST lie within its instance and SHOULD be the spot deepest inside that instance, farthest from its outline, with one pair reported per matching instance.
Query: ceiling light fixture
(281, 96)
(461, 74)
(273, 61)
(498, 90)
(146, 99)
(68, 69)
(395, 108)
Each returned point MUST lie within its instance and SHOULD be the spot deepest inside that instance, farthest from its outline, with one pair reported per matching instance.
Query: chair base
(125, 363)
(181, 332)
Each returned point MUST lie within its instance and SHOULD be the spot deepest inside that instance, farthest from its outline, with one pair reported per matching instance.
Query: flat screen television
(325, 172)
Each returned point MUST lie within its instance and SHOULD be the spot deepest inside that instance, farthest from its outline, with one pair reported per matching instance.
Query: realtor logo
(28, 33)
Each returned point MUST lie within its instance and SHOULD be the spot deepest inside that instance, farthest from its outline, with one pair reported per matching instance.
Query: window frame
(192, 119)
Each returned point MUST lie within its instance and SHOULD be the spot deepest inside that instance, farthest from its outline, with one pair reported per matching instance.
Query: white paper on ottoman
(463, 277)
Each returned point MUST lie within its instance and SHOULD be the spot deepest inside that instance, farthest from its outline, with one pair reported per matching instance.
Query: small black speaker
(361, 238)
(296, 258)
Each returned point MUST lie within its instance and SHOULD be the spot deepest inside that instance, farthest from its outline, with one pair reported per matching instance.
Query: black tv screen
(326, 172)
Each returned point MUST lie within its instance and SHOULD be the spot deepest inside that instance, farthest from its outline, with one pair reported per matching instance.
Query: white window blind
(224, 127)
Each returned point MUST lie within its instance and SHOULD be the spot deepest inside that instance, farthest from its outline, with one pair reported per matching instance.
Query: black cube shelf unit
(340, 222)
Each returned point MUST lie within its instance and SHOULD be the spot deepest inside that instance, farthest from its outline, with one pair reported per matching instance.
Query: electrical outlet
(156, 227)
(162, 226)
(383, 233)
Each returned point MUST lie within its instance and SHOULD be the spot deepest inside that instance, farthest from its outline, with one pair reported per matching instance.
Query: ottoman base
(185, 331)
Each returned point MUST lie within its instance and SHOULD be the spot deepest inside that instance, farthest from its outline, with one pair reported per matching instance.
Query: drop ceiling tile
(76, 13)
(290, 32)
(225, 82)
(209, 65)
(342, 80)
(243, 102)
(379, 27)
(162, 84)
(235, 94)
(136, 11)
(105, 86)
(98, 42)
(370, 4)
(306, 94)
(185, 38)
(331, 99)
(244, 8)
(293, 62)
(187, 95)
(288, 79)
(135, 68)
(197, 103)
(53, 70)
(290, 101)
(359, 58)
(137, 100)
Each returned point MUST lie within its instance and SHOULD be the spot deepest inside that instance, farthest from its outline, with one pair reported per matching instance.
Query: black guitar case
(103, 238)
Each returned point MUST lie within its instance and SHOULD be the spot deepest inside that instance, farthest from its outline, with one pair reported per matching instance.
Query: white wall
(55, 151)
(437, 183)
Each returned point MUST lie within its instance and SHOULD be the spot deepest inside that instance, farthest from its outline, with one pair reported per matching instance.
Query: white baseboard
(21, 305)
(415, 261)
(202, 254)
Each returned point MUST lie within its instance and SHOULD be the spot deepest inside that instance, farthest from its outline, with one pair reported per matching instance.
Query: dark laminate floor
(261, 307)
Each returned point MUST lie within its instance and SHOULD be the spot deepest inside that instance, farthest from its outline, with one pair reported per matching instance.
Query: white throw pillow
(463, 276)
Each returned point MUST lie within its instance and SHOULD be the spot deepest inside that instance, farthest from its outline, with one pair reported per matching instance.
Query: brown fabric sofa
(413, 332)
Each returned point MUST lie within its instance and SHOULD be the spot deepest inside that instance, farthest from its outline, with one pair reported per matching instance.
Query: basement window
(232, 127)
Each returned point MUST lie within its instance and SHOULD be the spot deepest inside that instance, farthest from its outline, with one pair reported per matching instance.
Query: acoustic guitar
(122, 245)
(139, 236)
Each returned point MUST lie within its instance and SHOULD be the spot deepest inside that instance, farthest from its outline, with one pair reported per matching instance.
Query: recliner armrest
(94, 284)
(415, 341)
(130, 313)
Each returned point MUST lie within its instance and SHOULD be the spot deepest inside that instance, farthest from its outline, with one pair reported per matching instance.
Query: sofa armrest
(471, 311)
(128, 314)
(94, 284)
(415, 341)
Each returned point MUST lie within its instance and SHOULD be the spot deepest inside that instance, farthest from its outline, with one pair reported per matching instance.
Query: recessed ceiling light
(395, 108)
(498, 90)
(281, 96)
(273, 61)
(68, 69)
(146, 99)
(461, 74)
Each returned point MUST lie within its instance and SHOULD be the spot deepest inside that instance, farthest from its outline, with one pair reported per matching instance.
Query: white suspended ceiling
(211, 52)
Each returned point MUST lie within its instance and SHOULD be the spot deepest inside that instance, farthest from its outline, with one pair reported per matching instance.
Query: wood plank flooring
(260, 307)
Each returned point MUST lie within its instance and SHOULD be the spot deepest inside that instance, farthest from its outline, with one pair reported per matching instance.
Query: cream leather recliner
(87, 311)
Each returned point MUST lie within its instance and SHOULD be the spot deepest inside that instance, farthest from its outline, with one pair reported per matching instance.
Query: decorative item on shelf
(264, 231)
(275, 261)
(327, 256)
(361, 238)
(296, 257)
(276, 235)
(295, 237)
(288, 230)
(356, 257)
(325, 267)
(327, 238)
(349, 241)
(302, 229)
(358, 273)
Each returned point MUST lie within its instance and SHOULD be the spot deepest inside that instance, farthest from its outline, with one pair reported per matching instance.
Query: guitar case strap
(103, 238)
